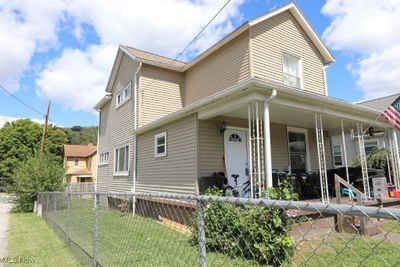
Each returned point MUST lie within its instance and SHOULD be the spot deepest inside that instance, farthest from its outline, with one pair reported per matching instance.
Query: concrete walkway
(4, 217)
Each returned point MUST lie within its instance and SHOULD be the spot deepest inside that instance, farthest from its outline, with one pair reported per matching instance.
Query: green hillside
(79, 135)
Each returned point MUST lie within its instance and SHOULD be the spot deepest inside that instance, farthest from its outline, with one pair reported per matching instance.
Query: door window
(298, 152)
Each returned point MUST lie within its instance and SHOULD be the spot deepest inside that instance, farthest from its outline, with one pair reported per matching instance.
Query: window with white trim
(124, 95)
(337, 155)
(291, 71)
(160, 145)
(104, 157)
(121, 162)
(76, 162)
(370, 145)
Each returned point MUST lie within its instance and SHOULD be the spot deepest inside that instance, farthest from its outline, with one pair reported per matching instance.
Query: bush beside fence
(186, 230)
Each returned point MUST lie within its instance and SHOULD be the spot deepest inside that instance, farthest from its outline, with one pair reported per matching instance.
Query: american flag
(392, 114)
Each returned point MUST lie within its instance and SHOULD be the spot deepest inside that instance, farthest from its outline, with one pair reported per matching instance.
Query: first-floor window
(337, 155)
(104, 158)
(370, 145)
(160, 145)
(121, 159)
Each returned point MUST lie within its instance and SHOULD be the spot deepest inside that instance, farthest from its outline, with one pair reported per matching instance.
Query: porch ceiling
(297, 117)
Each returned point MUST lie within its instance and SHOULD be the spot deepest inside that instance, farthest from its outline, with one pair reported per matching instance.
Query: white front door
(236, 155)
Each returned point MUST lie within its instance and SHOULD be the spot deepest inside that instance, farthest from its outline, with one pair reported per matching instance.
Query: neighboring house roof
(379, 104)
(80, 151)
(83, 171)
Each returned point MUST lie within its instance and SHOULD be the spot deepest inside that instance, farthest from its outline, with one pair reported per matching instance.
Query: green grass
(392, 226)
(30, 237)
(347, 250)
(127, 240)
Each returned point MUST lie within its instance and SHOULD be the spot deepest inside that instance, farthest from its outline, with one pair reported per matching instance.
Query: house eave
(102, 102)
(302, 20)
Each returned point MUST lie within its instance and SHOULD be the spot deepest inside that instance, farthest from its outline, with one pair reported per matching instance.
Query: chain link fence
(158, 229)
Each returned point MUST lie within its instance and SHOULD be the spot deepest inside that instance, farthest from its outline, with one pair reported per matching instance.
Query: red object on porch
(396, 194)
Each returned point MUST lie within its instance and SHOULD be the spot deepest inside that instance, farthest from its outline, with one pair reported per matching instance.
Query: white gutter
(252, 83)
(267, 140)
(102, 102)
(135, 124)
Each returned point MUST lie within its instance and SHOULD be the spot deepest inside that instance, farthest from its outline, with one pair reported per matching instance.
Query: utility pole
(44, 133)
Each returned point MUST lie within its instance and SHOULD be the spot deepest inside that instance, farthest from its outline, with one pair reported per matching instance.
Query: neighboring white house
(377, 140)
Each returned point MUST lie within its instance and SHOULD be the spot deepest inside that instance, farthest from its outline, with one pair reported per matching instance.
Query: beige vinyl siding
(224, 68)
(283, 34)
(314, 150)
(176, 172)
(211, 148)
(116, 129)
(279, 147)
(160, 93)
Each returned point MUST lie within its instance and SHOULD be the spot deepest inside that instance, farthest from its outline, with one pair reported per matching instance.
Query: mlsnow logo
(18, 260)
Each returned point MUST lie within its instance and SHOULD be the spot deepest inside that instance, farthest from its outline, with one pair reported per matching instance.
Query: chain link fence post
(68, 217)
(47, 205)
(96, 227)
(201, 234)
(55, 208)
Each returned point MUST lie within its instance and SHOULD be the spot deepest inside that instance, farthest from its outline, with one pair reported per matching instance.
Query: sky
(63, 50)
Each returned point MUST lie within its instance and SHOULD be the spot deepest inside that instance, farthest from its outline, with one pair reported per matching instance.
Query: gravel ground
(5, 208)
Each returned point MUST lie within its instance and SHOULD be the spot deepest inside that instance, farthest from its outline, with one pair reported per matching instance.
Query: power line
(195, 38)
(21, 101)
(202, 30)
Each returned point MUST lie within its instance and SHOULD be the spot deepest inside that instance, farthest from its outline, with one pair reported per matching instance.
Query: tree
(20, 140)
(83, 136)
(39, 173)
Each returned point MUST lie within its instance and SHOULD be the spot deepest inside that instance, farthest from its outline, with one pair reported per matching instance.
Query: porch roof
(239, 95)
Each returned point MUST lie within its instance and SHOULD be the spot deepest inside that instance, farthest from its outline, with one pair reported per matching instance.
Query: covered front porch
(260, 137)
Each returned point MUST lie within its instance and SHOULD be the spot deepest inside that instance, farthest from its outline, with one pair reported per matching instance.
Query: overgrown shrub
(254, 233)
(283, 191)
(37, 174)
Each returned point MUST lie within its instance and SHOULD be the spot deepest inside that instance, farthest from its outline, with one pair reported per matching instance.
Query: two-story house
(80, 163)
(254, 102)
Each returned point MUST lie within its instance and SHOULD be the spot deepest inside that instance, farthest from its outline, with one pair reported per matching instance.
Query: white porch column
(396, 156)
(267, 145)
(345, 152)
(250, 157)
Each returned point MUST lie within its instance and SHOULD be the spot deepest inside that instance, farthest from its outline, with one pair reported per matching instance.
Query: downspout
(325, 80)
(267, 140)
(97, 151)
(135, 117)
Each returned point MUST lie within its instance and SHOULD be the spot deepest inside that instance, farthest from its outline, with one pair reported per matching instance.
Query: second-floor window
(104, 158)
(291, 71)
(124, 95)
(121, 160)
(76, 162)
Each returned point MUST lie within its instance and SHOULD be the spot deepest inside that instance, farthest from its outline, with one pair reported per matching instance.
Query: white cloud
(77, 78)
(25, 27)
(161, 26)
(370, 30)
